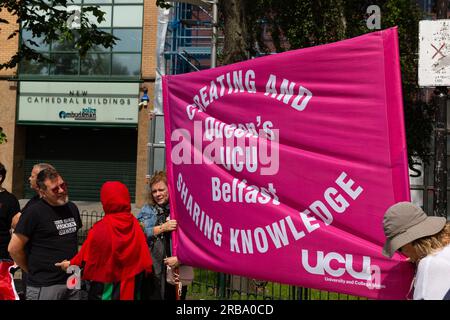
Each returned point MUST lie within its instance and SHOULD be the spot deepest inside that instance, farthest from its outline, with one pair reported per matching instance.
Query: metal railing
(209, 285)
(88, 218)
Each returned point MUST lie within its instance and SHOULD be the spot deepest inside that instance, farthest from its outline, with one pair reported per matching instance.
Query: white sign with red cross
(434, 53)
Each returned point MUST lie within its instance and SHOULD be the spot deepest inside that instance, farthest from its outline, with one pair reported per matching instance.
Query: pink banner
(281, 168)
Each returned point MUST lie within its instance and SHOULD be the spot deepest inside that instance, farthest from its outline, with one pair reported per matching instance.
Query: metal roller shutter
(86, 158)
(85, 178)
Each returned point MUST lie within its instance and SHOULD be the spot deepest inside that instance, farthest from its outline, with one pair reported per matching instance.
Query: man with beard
(49, 231)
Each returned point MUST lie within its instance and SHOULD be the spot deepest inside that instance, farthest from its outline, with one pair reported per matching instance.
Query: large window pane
(97, 1)
(130, 40)
(32, 67)
(128, 1)
(96, 64)
(417, 197)
(124, 59)
(97, 48)
(64, 45)
(159, 129)
(64, 64)
(127, 16)
(126, 64)
(40, 45)
(159, 159)
(106, 23)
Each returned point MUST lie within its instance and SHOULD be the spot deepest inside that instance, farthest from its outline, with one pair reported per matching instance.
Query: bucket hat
(405, 222)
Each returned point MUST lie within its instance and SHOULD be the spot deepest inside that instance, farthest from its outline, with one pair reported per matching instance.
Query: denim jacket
(147, 216)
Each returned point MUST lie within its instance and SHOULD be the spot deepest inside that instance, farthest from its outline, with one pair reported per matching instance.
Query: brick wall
(148, 73)
(8, 47)
(8, 123)
(149, 39)
(12, 153)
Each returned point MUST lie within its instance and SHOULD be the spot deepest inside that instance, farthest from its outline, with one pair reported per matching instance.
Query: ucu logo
(342, 264)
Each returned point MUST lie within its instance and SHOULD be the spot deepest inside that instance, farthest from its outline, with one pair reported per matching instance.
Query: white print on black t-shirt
(66, 226)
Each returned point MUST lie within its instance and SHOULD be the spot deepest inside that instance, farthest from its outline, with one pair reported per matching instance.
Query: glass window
(159, 159)
(64, 64)
(39, 12)
(104, 24)
(64, 46)
(128, 1)
(124, 59)
(96, 64)
(32, 67)
(159, 129)
(97, 1)
(101, 48)
(128, 16)
(130, 40)
(126, 64)
(417, 197)
(40, 45)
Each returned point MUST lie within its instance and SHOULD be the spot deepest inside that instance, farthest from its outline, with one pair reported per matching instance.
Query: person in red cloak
(115, 256)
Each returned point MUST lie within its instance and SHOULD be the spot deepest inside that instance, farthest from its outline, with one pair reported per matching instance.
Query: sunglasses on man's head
(63, 186)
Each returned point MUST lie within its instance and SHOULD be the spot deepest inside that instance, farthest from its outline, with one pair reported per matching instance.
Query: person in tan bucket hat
(426, 242)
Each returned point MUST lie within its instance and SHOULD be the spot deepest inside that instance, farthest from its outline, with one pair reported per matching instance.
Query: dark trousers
(54, 292)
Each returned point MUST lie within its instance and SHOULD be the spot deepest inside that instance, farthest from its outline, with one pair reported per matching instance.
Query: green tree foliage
(419, 116)
(2, 136)
(163, 4)
(50, 22)
(294, 24)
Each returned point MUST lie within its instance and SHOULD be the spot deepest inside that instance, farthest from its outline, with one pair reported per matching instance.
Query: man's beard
(63, 200)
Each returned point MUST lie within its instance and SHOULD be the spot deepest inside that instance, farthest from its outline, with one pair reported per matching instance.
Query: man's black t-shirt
(52, 234)
(9, 206)
(30, 202)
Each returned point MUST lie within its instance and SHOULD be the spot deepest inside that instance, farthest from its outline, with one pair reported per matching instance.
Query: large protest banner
(281, 168)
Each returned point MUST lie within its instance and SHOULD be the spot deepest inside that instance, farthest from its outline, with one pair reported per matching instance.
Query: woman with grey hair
(426, 242)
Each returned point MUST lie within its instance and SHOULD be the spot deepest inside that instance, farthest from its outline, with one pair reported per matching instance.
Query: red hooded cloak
(116, 248)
